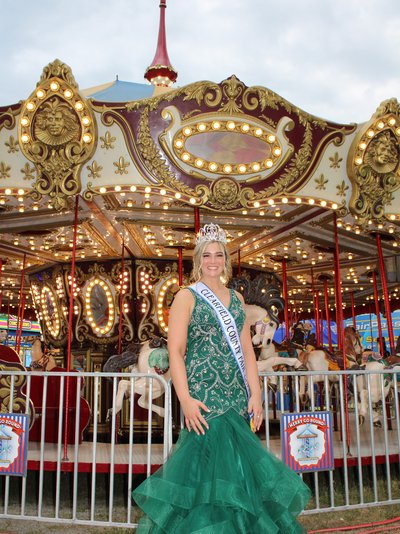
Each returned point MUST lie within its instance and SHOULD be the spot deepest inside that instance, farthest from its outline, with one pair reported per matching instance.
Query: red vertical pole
(385, 294)
(1, 291)
(317, 324)
(353, 311)
(21, 290)
(378, 314)
(316, 306)
(121, 297)
(338, 290)
(71, 311)
(180, 266)
(328, 321)
(285, 297)
(196, 220)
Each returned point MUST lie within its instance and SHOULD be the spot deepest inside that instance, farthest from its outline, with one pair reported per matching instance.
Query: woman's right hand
(193, 418)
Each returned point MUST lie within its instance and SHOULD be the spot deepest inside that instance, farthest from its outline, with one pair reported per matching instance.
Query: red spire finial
(161, 71)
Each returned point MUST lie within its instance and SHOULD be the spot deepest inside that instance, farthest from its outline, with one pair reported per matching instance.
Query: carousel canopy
(144, 165)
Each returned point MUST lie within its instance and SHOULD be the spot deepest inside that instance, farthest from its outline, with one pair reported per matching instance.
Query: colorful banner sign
(307, 441)
(367, 326)
(28, 326)
(14, 429)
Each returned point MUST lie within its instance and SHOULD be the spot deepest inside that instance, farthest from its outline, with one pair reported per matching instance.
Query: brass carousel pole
(71, 311)
(239, 267)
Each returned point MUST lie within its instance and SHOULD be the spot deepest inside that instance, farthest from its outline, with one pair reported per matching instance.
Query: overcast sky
(337, 59)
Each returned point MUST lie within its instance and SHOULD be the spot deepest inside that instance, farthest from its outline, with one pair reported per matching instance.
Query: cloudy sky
(337, 59)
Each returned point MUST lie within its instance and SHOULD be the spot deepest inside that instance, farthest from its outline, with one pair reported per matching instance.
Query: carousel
(103, 190)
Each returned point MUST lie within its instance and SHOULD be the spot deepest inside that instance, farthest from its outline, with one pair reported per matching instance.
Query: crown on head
(211, 232)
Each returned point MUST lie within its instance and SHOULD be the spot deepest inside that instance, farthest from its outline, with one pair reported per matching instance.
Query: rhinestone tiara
(211, 232)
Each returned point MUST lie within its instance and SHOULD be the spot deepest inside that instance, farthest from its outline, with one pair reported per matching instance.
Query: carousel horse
(42, 358)
(148, 357)
(263, 303)
(374, 363)
(14, 387)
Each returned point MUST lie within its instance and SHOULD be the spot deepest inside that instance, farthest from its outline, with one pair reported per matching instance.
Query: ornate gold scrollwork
(57, 132)
(373, 164)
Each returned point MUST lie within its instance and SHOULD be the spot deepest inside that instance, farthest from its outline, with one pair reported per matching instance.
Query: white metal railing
(100, 472)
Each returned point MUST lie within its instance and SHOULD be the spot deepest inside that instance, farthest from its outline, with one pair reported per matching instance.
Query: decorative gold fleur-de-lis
(121, 165)
(4, 170)
(335, 161)
(12, 144)
(108, 140)
(95, 170)
(28, 171)
(341, 189)
(321, 181)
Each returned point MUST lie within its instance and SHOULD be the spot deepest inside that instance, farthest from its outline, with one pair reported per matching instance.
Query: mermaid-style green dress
(225, 481)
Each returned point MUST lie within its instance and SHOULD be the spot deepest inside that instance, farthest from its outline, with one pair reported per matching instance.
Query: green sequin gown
(225, 481)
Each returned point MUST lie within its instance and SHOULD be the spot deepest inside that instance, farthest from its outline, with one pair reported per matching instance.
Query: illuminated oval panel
(227, 147)
(99, 306)
(50, 312)
(164, 300)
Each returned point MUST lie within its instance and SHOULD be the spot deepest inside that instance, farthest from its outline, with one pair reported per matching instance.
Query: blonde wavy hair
(196, 273)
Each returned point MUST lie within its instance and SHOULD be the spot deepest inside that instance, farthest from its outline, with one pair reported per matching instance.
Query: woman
(220, 479)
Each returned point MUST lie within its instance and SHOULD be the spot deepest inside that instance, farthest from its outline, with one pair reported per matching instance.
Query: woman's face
(213, 260)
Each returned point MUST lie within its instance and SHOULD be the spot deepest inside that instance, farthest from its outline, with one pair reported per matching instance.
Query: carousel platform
(384, 450)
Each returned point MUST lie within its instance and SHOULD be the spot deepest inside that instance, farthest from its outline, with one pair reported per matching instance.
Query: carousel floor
(389, 450)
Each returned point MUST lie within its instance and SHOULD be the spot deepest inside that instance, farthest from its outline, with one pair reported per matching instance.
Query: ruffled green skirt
(224, 482)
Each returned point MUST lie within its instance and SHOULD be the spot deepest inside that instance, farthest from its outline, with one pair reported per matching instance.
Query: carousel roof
(146, 164)
(119, 91)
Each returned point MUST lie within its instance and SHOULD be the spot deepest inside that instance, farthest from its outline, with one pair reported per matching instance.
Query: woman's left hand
(255, 406)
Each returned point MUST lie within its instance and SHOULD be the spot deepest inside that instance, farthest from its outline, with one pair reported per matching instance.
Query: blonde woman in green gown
(219, 479)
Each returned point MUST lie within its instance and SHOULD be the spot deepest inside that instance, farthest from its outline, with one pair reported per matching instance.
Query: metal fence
(89, 481)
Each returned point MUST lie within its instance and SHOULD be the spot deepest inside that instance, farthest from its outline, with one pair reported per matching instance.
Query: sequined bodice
(212, 371)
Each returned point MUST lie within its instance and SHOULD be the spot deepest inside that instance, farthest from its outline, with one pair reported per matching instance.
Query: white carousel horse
(265, 328)
(374, 363)
(148, 357)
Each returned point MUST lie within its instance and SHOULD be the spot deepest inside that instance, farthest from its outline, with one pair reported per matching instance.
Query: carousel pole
(316, 305)
(317, 323)
(1, 292)
(71, 311)
(327, 315)
(180, 266)
(8, 318)
(353, 310)
(21, 321)
(285, 296)
(385, 295)
(338, 290)
(378, 314)
(121, 297)
(21, 290)
(196, 220)
(239, 267)
(339, 326)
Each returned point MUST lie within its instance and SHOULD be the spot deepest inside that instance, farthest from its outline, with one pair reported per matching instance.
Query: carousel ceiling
(272, 175)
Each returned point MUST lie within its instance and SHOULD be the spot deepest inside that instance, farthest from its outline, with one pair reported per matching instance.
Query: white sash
(228, 326)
